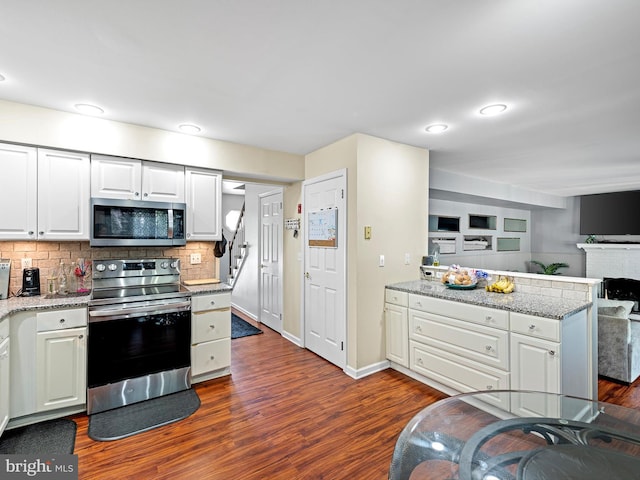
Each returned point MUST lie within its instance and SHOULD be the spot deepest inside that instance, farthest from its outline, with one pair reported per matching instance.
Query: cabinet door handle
(213, 302)
(418, 328)
(213, 357)
(62, 320)
(552, 352)
(532, 327)
(489, 318)
(136, 194)
(489, 387)
(212, 327)
(419, 304)
(80, 337)
(31, 232)
(40, 233)
(488, 348)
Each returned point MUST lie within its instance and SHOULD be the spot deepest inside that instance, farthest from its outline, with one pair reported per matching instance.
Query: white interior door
(324, 300)
(271, 260)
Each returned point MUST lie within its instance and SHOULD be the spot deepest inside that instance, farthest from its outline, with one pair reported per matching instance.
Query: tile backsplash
(47, 256)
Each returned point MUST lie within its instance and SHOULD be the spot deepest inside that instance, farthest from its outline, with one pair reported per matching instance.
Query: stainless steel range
(139, 338)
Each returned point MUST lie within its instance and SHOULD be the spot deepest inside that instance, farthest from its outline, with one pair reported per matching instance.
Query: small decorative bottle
(63, 286)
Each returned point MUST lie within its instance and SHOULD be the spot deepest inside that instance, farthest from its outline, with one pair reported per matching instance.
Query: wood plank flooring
(284, 413)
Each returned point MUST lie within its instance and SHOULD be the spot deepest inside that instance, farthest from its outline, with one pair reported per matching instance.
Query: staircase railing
(237, 250)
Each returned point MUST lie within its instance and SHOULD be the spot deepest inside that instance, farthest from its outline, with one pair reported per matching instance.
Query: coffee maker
(30, 282)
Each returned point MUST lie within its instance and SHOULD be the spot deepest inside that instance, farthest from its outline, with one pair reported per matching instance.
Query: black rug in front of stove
(143, 416)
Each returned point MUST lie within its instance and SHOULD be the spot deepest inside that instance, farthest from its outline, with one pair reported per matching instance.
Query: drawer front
(210, 325)
(539, 327)
(4, 329)
(486, 345)
(61, 319)
(201, 303)
(459, 374)
(210, 356)
(396, 297)
(462, 311)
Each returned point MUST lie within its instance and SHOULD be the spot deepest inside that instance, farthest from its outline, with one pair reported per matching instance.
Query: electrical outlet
(407, 259)
(26, 263)
(196, 258)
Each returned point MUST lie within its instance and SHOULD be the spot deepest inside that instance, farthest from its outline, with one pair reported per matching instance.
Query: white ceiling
(295, 75)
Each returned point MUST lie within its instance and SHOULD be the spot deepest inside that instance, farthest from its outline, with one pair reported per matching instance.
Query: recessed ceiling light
(436, 128)
(189, 128)
(493, 109)
(88, 109)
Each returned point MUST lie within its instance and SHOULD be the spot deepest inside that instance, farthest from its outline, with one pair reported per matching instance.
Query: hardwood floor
(284, 413)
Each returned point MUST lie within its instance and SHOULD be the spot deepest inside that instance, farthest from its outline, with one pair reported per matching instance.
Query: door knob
(306, 275)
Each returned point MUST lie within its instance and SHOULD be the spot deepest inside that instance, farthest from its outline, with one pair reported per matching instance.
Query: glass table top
(509, 435)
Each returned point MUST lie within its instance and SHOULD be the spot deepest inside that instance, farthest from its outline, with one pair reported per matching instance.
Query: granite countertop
(538, 305)
(43, 302)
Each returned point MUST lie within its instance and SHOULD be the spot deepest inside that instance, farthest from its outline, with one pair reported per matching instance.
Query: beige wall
(38, 126)
(339, 155)
(292, 271)
(393, 196)
(387, 189)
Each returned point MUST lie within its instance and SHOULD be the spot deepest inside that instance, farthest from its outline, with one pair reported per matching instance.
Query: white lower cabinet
(210, 336)
(48, 364)
(460, 347)
(4, 374)
(61, 358)
(397, 327)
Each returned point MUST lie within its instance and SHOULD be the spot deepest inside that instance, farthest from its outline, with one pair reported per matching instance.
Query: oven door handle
(117, 313)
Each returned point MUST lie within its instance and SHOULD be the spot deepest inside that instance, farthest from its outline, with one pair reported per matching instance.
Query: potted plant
(551, 269)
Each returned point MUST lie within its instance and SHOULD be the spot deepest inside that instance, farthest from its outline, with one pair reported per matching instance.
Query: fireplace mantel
(612, 260)
(609, 246)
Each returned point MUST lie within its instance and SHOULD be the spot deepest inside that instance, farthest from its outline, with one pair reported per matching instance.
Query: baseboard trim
(245, 312)
(366, 371)
(292, 338)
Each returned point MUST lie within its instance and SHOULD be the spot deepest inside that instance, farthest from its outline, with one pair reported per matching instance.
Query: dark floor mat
(45, 438)
(139, 417)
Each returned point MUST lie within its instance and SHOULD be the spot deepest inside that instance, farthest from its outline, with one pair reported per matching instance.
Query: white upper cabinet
(204, 204)
(46, 193)
(18, 192)
(131, 179)
(63, 195)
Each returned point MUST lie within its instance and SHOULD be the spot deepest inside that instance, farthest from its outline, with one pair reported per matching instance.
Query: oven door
(126, 348)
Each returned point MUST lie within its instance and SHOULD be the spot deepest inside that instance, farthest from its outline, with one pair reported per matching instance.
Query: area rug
(53, 437)
(241, 328)
(139, 417)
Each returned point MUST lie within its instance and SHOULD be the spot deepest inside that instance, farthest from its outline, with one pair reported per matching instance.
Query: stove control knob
(174, 264)
(112, 267)
(164, 265)
(100, 267)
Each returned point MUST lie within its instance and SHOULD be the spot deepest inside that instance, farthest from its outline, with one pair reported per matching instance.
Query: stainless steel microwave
(116, 223)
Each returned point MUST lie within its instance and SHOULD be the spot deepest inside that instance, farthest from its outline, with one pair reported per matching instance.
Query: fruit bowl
(453, 286)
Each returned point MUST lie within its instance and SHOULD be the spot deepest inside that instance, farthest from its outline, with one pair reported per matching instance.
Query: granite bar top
(537, 305)
(43, 302)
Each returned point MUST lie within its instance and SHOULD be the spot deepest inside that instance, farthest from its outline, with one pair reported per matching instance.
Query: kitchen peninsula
(469, 340)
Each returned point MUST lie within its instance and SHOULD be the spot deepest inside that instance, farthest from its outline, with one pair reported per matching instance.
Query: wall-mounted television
(615, 213)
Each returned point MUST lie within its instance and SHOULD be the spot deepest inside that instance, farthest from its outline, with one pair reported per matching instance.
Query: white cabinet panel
(18, 192)
(210, 356)
(4, 383)
(211, 325)
(114, 177)
(61, 368)
(489, 346)
(63, 195)
(535, 364)
(210, 336)
(162, 182)
(397, 330)
(204, 204)
(132, 179)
